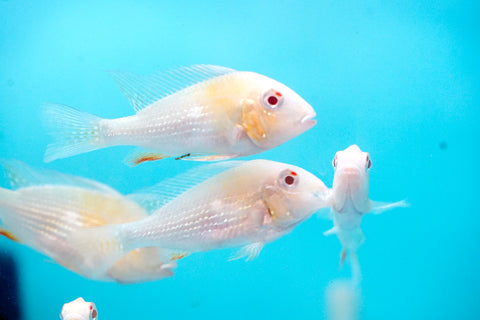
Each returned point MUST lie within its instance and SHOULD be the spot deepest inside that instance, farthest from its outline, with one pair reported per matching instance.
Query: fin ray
(74, 131)
(143, 91)
(154, 197)
(21, 175)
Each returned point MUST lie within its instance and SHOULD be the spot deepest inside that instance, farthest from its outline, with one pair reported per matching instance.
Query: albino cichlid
(222, 205)
(201, 113)
(349, 200)
(79, 309)
(48, 207)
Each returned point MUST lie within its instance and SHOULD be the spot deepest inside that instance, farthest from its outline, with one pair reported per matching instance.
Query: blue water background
(398, 78)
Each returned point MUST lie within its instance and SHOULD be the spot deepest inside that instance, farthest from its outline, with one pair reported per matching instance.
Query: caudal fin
(74, 132)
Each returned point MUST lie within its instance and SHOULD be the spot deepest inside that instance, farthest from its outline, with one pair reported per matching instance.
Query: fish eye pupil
(289, 180)
(272, 100)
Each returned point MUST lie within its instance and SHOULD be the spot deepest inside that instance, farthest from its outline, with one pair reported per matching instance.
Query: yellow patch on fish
(99, 210)
(252, 122)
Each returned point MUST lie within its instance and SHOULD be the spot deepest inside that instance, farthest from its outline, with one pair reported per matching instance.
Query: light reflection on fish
(49, 206)
(247, 205)
(201, 113)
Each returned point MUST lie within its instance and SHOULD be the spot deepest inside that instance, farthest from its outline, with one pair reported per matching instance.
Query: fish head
(272, 113)
(351, 179)
(292, 194)
(79, 309)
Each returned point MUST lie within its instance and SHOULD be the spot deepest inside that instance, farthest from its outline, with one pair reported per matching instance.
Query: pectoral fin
(252, 123)
(249, 252)
(334, 230)
(380, 207)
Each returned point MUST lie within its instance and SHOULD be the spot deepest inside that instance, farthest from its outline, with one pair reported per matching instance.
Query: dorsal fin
(21, 175)
(152, 198)
(142, 91)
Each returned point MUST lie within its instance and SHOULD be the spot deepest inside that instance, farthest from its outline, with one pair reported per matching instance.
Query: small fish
(48, 206)
(79, 309)
(227, 204)
(349, 200)
(202, 113)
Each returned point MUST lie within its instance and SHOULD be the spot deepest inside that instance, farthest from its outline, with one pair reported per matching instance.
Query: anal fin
(206, 157)
(138, 157)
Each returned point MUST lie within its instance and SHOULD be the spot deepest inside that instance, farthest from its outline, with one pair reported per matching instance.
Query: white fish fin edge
(380, 207)
(249, 252)
(142, 91)
(154, 197)
(331, 231)
(21, 175)
(73, 131)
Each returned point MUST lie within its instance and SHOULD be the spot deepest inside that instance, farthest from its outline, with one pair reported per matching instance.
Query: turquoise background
(398, 78)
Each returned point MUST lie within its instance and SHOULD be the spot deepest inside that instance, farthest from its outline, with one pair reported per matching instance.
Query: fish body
(79, 309)
(349, 199)
(214, 113)
(48, 207)
(248, 205)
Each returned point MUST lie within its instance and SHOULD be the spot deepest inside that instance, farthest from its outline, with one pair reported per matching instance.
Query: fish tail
(99, 248)
(74, 132)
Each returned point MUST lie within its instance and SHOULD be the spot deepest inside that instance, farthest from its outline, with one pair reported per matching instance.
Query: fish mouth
(309, 120)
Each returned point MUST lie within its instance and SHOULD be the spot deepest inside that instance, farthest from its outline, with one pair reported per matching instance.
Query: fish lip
(309, 120)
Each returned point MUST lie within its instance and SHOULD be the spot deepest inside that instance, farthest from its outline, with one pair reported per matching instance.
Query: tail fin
(74, 132)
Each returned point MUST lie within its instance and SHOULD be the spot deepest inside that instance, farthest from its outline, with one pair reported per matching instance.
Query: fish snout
(308, 120)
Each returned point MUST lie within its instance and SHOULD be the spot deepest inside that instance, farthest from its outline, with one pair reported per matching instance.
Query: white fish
(350, 202)
(49, 206)
(201, 112)
(247, 204)
(79, 309)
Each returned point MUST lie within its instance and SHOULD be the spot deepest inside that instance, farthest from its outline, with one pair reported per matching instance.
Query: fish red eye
(272, 99)
(288, 178)
(369, 162)
(93, 312)
(334, 162)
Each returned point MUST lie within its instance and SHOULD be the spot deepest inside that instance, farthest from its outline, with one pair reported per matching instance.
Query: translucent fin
(380, 207)
(331, 231)
(97, 248)
(152, 198)
(207, 157)
(21, 175)
(74, 132)
(141, 155)
(143, 91)
(249, 252)
(142, 264)
(8, 235)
